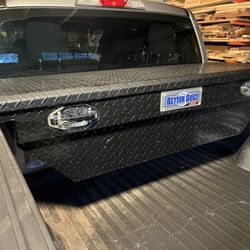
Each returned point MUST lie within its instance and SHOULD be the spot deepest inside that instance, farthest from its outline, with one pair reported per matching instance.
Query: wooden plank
(232, 14)
(238, 21)
(235, 22)
(198, 4)
(229, 41)
(223, 7)
(228, 59)
(239, 43)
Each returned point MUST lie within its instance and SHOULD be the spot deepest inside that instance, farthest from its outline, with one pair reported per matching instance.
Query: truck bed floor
(196, 199)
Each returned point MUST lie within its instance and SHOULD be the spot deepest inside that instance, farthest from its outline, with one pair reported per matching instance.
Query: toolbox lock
(73, 118)
(245, 89)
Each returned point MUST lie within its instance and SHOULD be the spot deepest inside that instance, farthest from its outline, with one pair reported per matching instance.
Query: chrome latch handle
(245, 89)
(75, 117)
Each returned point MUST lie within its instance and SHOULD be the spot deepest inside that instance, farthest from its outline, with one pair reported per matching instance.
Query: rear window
(40, 41)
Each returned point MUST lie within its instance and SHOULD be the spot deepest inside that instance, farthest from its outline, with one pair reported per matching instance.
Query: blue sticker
(179, 99)
(182, 99)
(8, 58)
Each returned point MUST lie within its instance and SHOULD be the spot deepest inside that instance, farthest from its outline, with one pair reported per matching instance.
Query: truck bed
(196, 199)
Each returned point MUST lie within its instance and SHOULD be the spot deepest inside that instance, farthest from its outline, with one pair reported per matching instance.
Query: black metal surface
(192, 200)
(97, 152)
(131, 128)
(21, 93)
(33, 126)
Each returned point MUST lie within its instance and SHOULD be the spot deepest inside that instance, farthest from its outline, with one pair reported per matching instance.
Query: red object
(114, 3)
(240, 1)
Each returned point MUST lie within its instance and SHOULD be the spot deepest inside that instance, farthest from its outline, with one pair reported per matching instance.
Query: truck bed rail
(22, 226)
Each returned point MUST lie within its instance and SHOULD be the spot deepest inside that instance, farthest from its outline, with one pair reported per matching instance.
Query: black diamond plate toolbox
(130, 127)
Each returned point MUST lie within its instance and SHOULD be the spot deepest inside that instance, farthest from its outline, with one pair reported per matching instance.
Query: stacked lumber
(226, 33)
(226, 28)
(230, 55)
(190, 4)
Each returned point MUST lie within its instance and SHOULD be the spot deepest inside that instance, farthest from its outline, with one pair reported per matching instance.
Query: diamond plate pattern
(32, 126)
(51, 90)
(131, 128)
(80, 157)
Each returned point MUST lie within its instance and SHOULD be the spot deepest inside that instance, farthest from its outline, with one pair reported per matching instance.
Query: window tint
(37, 41)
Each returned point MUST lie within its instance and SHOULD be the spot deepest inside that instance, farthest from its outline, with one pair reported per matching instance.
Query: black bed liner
(22, 226)
(196, 199)
(28, 92)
